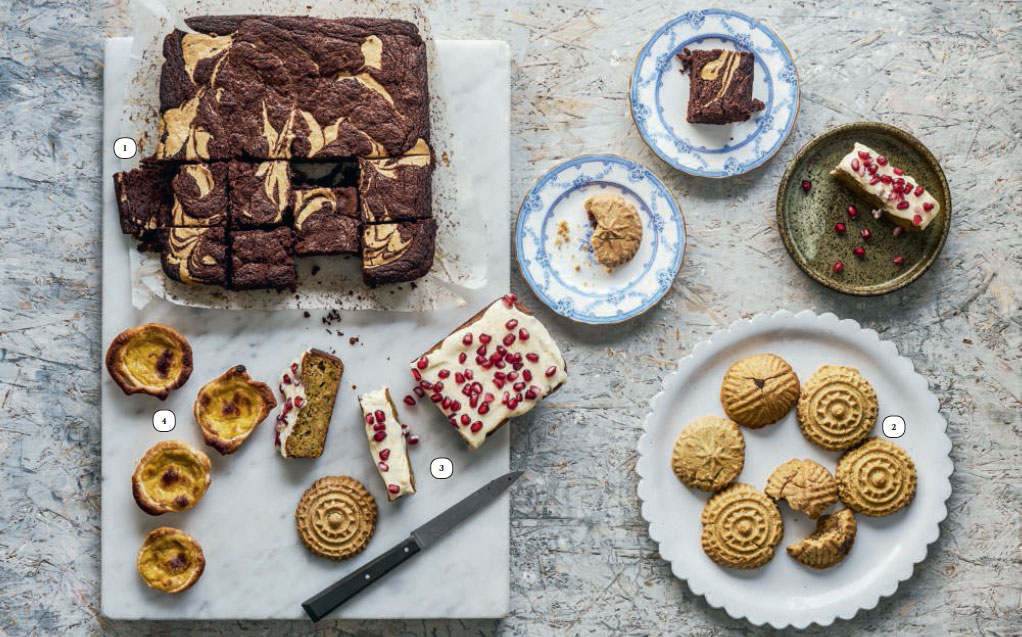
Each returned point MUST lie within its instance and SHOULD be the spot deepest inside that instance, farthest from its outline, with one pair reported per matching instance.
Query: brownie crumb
(352, 340)
(306, 314)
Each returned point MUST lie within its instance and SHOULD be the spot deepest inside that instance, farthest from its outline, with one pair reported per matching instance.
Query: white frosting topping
(293, 392)
(390, 452)
(875, 175)
(482, 383)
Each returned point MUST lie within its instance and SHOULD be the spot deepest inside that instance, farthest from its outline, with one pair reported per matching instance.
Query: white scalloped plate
(784, 593)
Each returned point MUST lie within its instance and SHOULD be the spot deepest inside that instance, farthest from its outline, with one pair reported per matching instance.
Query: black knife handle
(321, 604)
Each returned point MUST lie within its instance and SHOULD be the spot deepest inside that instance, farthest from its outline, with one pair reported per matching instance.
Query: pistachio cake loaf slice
(309, 388)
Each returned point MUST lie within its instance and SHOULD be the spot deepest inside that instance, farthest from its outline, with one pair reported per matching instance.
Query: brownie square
(262, 259)
(397, 252)
(195, 255)
(199, 194)
(720, 85)
(260, 193)
(394, 190)
(144, 200)
(326, 221)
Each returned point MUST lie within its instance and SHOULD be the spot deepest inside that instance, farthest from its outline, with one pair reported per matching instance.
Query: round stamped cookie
(336, 517)
(759, 390)
(837, 408)
(741, 527)
(877, 478)
(829, 544)
(708, 453)
(807, 486)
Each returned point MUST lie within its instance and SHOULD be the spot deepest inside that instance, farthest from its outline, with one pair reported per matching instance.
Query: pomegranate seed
(286, 379)
(550, 371)
(484, 408)
(436, 398)
(886, 179)
(509, 299)
(473, 401)
(423, 362)
(512, 376)
(465, 419)
(459, 378)
(476, 426)
(917, 220)
(425, 384)
(509, 339)
(409, 400)
(468, 374)
(393, 488)
(369, 419)
(919, 190)
(855, 164)
(513, 403)
(298, 401)
(484, 338)
(839, 266)
(898, 230)
(527, 375)
(438, 387)
(405, 432)
(523, 334)
(874, 181)
(413, 440)
(499, 376)
(461, 357)
(446, 402)
(902, 205)
(489, 398)
(477, 387)
(294, 368)
(859, 252)
(380, 427)
(380, 416)
(384, 454)
(927, 206)
(863, 154)
(498, 383)
(443, 373)
(404, 426)
(419, 391)
(806, 185)
(379, 435)
(467, 339)
(899, 260)
(839, 228)
(531, 395)
(532, 357)
(897, 171)
(881, 160)
(853, 212)
(382, 466)
(455, 406)
(873, 169)
(866, 235)
(500, 364)
(519, 386)
(416, 374)
(511, 324)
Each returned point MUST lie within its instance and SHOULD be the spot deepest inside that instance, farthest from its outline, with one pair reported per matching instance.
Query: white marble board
(256, 566)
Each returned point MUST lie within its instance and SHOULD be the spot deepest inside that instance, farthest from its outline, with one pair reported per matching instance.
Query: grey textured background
(582, 563)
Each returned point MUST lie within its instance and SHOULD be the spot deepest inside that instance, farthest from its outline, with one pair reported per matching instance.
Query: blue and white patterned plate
(659, 95)
(553, 238)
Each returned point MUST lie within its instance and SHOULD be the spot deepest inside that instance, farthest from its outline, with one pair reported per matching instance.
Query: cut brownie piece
(397, 252)
(260, 193)
(262, 259)
(200, 195)
(497, 365)
(309, 388)
(143, 200)
(387, 446)
(326, 221)
(720, 85)
(888, 188)
(398, 189)
(195, 255)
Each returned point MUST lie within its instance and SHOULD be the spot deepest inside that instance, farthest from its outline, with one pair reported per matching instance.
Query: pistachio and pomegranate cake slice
(387, 442)
(309, 387)
(897, 195)
(497, 365)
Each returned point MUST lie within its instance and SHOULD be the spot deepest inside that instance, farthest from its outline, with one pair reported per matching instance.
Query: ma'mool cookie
(170, 560)
(171, 476)
(229, 407)
(708, 453)
(741, 527)
(897, 195)
(387, 443)
(336, 517)
(720, 85)
(309, 388)
(197, 256)
(617, 229)
(326, 221)
(150, 359)
(397, 252)
(143, 200)
(262, 259)
(497, 365)
(759, 390)
(396, 189)
(829, 544)
(200, 195)
(837, 408)
(807, 486)
(876, 478)
(260, 193)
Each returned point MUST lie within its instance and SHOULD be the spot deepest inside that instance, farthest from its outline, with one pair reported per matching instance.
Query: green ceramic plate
(806, 219)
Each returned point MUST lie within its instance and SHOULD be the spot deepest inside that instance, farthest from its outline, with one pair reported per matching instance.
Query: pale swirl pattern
(336, 517)
(838, 408)
(741, 527)
(876, 478)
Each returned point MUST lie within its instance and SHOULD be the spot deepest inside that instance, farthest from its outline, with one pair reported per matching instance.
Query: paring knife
(320, 605)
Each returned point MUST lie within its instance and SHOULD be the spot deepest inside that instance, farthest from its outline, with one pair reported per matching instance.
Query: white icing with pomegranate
(903, 197)
(387, 444)
(293, 393)
(497, 368)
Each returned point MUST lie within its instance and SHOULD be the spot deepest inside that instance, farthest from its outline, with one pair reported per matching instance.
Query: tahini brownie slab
(260, 193)
(326, 221)
(396, 189)
(280, 87)
(397, 252)
(199, 193)
(144, 201)
(196, 255)
(262, 259)
(720, 85)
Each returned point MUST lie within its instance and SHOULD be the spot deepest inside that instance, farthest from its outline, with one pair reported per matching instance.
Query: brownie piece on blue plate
(720, 85)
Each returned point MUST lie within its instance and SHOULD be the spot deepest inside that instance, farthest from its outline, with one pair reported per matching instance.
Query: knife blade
(323, 603)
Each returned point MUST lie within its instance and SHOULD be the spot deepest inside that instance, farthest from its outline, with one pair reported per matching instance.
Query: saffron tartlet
(171, 476)
(150, 359)
(229, 407)
(170, 560)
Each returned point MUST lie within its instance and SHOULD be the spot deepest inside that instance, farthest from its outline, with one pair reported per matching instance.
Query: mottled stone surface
(582, 562)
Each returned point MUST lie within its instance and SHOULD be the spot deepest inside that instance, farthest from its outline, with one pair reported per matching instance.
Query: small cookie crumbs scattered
(563, 233)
